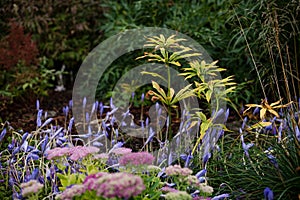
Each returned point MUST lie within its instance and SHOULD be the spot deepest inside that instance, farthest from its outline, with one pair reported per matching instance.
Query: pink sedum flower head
(101, 156)
(166, 189)
(30, 187)
(206, 188)
(176, 170)
(69, 193)
(182, 195)
(136, 159)
(78, 152)
(120, 185)
(75, 153)
(90, 181)
(122, 151)
(57, 152)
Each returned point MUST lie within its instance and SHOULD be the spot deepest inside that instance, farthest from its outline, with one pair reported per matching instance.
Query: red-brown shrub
(17, 47)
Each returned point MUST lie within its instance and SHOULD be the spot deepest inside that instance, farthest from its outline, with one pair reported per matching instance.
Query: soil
(21, 114)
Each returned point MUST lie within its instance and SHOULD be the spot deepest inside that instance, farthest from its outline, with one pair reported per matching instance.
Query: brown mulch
(21, 114)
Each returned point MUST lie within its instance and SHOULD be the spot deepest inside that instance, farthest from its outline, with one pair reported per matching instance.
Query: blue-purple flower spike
(2, 135)
(38, 118)
(297, 132)
(84, 102)
(268, 194)
(220, 197)
(37, 104)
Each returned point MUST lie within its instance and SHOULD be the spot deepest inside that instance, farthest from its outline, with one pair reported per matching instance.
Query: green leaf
(202, 116)
(154, 74)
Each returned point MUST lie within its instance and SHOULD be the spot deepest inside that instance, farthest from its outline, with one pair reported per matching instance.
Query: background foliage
(247, 37)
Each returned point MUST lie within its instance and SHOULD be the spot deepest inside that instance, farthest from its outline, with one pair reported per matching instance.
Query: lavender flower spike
(297, 132)
(84, 102)
(38, 119)
(219, 197)
(3, 133)
(245, 146)
(268, 193)
(37, 104)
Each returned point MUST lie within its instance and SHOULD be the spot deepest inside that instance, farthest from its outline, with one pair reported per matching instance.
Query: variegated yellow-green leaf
(183, 93)
(159, 90)
(259, 125)
(208, 95)
(154, 74)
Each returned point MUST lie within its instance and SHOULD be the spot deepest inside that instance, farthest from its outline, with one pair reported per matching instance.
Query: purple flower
(139, 158)
(142, 97)
(71, 124)
(245, 146)
(272, 160)
(87, 117)
(34, 174)
(38, 119)
(2, 135)
(206, 157)
(44, 144)
(24, 137)
(268, 194)
(84, 102)
(201, 173)
(37, 104)
(186, 158)
(221, 196)
(32, 156)
(297, 132)
(66, 111)
(244, 122)
(70, 104)
(47, 122)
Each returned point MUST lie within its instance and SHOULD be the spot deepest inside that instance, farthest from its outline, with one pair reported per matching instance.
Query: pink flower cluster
(138, 158)
(177, 170)
(74, 190)
(168, 189)
(201, 198)
(31, 187)
(121, 185)
(122, 151)
(90, 181)
(75, 153)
